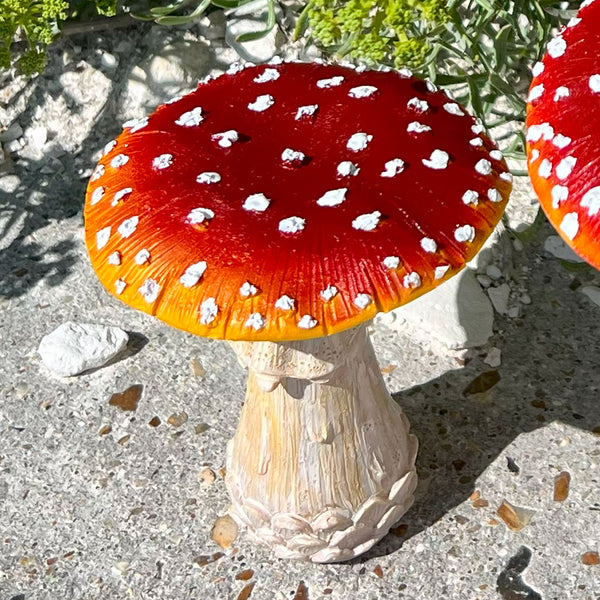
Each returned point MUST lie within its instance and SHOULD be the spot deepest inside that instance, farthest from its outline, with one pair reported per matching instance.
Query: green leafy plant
(482, 50)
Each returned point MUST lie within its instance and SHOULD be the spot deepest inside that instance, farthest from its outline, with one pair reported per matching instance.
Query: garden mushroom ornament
(281, 207)
(562, 132)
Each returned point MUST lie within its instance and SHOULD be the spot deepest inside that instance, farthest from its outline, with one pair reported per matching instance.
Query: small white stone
(428, 245)
(331, 82)
(225, 139)
(163, 161)
(149, 290)
(483, 167)
(412, 280)
(256, 202)
(464, 233)
(538, 69)
(109, 147)
(476, 142)
(128, 226)
(333, 197)
(561, 92)
(493, 272)
(565, 166)
(494, 195)
(416, 127)
(595, 83)
(559, 194)
(192, 274)
(557, 47)
(561, 141)
(362, 91)
(308, 110)
(440, 271)
(493, 358)
(267, 75)
(262, 103)
(393, 167)
(208, 177)
(591, 201)
(367, 222)
(438, 160)
(102, 238)
(391, 262)
(97, 195)
(120, 195)
(142, 257)
(535, 93)
(362, 301)
(208, 311)
(256, 321)
(292, 225)
(358, 141)
(545, 169)
(247, 290)
(136, 124)
(199, 215)
(417, 105)
(73, 348)
(570, 225)
(347, 168)
(119, 160)
(190, 118)
(292, 156)
(555, 245)
(115, 259)
(307, 322)
(454, 109)
(499, 296)
(285, 303)
(471, 197)
(120, 286)
(329, 292)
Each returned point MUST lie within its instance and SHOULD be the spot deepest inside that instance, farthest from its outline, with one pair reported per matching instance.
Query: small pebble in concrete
(178, 419)
(127, 400)
(499, 297)
(590, 558)
(493, 358)
(561, 486)
(224, 531)
(207, 476)
(73, 348)
(514, 517)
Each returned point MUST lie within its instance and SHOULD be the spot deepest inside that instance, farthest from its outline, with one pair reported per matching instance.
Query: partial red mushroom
(562, 129)
(281, 207)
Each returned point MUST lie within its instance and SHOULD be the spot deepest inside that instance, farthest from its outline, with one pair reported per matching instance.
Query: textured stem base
(322, 463)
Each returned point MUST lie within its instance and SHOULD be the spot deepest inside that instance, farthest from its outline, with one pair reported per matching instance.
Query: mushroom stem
(322, 462)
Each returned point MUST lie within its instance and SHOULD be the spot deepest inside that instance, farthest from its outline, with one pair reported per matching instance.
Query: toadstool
(281, 207)
(562, 127)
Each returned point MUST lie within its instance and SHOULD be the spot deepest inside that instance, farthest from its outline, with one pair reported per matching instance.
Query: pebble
(207, 476)
(555, 246)
(499, 297)
(178, 419)
(592, 292)
(494, 357)
(561, 486)
(12, 133)
(493, 272)
(514, 517)
(590, 558)
(73, 348)
(224, 532)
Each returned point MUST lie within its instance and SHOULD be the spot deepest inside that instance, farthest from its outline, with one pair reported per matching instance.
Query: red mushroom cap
(290, 201)
(562, 132)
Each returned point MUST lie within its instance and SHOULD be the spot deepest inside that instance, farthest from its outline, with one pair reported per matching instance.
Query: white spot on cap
(142, 257)
(561, 141)
(262, 103)
(557, 47)
(358, 141)
(544, 130)
(285, 303)
(391, 262)
(428, 244)
(565, 166)
(453, 109)
(494, 195)
(306, 111)
(535, 154)
(97, 195)
(367, 222)
(115, 259)
(329, 292)
(476, 142)
(570, 225)
(247, 289)
(331, 82)
(416, 127)
(225, 139)
(483, 167)
(190, 118)
(199, 215)
(412, 280)
(440, 271)
(545, 169)
(256, 202)
(393, 167)
(307, 322)
(102, 237)
(173, 100)
(163, 161)
(362, 91)
(208, 311)
(256, 321)
(136, 124)
(438, 160)
(559, 194)
(128, 226)
(478, 127)
(405, 73)
(192, 274)
(292, 225)
(97, 173)
(292, 156)
(464, 233)
(573, 21)
(561, 92)
(538, 69)
(535, 92)
(496, 155)
(362, 301)
(208, 177)
(471, 197)
(120, 195)
(595, 83)
(591, 201)
(119, 160)
(506, 176)
(109, 147)
(120, 285)
(149, 290)
(347, 168)
(418, 105)
(267, 75)
(332, 197)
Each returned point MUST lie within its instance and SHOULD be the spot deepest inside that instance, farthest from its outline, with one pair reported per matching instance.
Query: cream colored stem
(322, 463)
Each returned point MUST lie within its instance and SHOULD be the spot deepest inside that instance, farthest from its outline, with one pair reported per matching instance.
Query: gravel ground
(97, 502)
